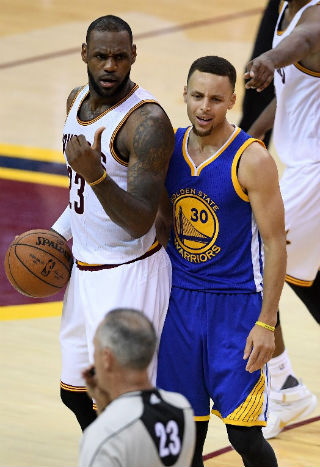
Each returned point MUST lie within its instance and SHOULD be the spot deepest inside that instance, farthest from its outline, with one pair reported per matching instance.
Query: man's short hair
(109, 23)
(130, 336)
(215, 65)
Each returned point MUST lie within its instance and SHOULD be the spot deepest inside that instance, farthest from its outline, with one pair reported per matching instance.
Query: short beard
(105, 92)
(202, 134)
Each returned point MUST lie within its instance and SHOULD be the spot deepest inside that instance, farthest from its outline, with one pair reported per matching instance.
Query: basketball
(38, 263)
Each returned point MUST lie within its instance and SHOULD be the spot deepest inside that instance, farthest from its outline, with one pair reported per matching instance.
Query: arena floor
(40, 63)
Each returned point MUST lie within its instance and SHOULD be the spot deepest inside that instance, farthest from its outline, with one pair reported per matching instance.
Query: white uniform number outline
(171, 431)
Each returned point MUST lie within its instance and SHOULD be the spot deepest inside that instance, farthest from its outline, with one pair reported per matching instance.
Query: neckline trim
(89, 122)
(195, 171)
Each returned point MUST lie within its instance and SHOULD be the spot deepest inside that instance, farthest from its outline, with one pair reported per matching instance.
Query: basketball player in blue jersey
(117, 144)
(227, 223)
(294, 62)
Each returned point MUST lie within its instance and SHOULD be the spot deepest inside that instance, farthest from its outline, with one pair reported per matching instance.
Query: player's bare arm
(302, 45)
(259, 178)
(264, 122)
(147, 141)
(164, 219)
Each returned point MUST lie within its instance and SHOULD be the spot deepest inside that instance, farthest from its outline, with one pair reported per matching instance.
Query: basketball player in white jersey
(138, 425)
(294, 114)
(117, 142)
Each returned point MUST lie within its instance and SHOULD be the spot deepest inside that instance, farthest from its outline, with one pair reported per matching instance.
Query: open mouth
(107, 83)
(203, 120)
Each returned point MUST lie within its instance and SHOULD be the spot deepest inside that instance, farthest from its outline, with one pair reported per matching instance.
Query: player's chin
(107, 92)
(201, 131)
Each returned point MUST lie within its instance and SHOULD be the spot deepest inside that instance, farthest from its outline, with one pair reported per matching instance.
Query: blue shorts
(201, 355)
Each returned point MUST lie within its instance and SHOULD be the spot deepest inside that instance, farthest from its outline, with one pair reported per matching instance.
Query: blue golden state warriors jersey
(214, 243)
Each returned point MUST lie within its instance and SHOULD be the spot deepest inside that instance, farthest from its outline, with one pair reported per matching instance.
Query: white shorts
(300, 189)
(143, 285)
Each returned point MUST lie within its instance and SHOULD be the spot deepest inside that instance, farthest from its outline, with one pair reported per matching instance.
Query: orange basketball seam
(14, 279)
(47, 252)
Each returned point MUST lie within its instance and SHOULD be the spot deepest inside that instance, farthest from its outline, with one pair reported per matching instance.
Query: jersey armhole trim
(74, 99)
(282, 8)
(234, 175)
(184, 150)
(120, 124)
(305, 70)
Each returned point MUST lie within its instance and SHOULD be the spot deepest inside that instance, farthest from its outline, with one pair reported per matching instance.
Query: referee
(138, 425)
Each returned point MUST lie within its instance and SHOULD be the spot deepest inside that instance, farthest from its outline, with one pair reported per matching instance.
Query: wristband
(96, 182)
(266, 326)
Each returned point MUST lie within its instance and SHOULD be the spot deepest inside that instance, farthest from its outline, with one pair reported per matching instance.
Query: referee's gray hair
(130, 336)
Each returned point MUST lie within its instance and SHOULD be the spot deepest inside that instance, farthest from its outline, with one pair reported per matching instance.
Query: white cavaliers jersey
(297, 122)
(141, 429)
(96, 238)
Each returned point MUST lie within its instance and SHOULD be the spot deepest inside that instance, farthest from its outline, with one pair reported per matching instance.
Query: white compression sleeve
(63, 224)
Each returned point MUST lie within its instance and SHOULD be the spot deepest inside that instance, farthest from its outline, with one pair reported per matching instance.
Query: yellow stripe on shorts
(247, 414)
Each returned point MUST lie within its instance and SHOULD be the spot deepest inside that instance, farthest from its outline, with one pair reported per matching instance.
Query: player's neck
(294, 6)
(98, 102)
(208, 145)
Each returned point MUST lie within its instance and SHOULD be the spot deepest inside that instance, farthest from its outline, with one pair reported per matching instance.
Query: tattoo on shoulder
(153, 140)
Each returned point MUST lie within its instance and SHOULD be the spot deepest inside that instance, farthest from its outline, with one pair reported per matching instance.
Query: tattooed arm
(147, 141)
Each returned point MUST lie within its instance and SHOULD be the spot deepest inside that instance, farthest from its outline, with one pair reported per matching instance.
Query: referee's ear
(109, 360)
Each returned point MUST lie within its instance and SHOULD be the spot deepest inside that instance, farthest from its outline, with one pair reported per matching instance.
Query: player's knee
(245, 440)
(80, 404)
(251, 445)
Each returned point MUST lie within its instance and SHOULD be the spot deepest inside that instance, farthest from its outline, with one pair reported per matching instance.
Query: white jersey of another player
(298, 97)
(96, 238)
(141, 429)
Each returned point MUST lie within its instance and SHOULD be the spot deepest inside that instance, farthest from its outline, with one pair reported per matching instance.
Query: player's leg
(74, 356)
(290, 399)
(154, 297)
(252, 446)
(143, 285)
(310, 296)
(201, 434)
(180, 366)
(80, 404)
(240, 398)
